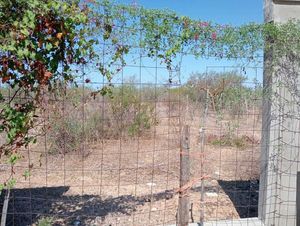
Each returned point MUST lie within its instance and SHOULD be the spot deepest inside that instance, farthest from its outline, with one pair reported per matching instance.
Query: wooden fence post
(183, 209)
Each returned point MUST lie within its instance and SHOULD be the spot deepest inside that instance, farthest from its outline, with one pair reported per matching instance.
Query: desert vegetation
(76, 116)
(79, 117)
(116, 147)
(227, 90)
(136, 131)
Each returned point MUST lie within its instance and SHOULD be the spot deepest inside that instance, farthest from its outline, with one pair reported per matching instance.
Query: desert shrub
(151, 93)
(231, 93)
(122, 115)
(239, 99)
(193, 88)
(198, 83)
(65, 134)
(236, 100)
(130, 115)
(241, 142)
(227, 141)
(45, 221)
(141, 122)
(94, 126)
(231, 139)
(68, 133)
(68, 128)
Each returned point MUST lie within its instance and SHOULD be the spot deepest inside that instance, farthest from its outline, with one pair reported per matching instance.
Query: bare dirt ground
(133, 181)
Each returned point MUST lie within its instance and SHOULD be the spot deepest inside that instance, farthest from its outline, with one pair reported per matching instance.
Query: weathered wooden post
(183, 209)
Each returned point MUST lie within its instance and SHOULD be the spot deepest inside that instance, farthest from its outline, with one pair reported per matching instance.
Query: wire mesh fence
(135, 131)
(114, 159)
(102, 160)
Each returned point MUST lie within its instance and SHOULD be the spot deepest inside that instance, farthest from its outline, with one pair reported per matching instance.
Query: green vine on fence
(42, 42)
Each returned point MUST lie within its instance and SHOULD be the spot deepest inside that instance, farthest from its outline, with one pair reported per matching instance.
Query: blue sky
(235, 12)
(232, 12)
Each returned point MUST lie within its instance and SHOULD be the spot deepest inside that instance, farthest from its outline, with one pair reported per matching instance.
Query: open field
(133, 180)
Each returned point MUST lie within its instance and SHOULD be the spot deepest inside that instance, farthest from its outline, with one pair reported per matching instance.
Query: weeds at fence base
(242, 142)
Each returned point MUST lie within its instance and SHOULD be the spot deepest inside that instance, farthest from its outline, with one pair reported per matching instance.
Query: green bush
(94, 127)
(232, 139)
(235, 97)
(132, 115)
(226, 141)
(65, 135)
(45, 221)
(122, 115)
(142, 121)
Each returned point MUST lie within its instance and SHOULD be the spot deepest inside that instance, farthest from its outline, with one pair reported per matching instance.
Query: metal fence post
(298, 199)
(5, 207)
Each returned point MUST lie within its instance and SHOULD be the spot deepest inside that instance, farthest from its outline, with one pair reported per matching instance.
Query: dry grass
(131, 181)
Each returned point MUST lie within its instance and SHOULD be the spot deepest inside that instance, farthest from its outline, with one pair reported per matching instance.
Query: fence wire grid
(103, 160)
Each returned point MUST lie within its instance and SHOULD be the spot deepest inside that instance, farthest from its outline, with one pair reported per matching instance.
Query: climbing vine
(42, 42)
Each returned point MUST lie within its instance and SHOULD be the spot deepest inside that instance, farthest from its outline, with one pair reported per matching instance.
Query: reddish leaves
(203, 24)
(47, 75)
(214, 36)
(42, 74)
(5, 78)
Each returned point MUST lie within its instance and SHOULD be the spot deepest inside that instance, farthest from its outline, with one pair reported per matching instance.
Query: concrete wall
(281, 10)
(280, 158)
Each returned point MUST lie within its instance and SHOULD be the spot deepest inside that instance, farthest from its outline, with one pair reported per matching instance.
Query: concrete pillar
(280, 158)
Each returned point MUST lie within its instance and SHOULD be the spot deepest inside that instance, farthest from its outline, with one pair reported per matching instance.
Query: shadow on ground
(244, 196)
(26, 206)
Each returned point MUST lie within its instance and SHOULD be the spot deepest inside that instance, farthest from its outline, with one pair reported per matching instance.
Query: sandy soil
(133, 181)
